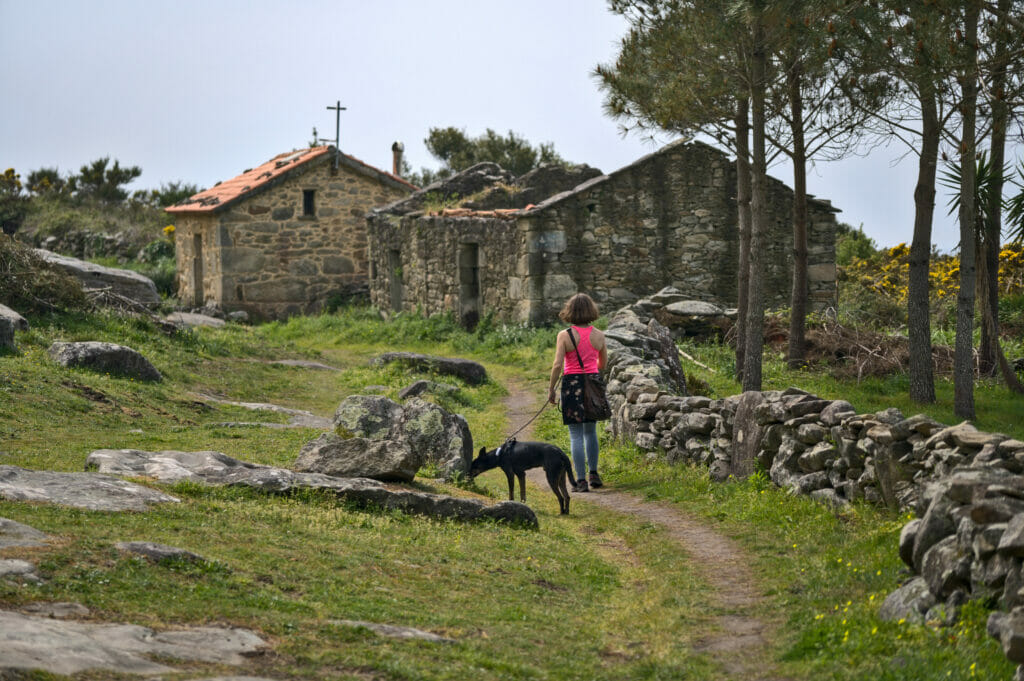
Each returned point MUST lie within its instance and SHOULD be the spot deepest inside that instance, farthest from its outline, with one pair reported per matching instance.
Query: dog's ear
(483, 450)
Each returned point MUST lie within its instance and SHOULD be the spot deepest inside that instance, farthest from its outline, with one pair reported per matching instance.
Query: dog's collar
(497, 452)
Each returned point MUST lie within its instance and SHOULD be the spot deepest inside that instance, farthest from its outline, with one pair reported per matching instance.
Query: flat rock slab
(304, 364)
(469, 371)
(68, 647)
(391, 631)
(18, 569)
(297, 418)
(158, 552)
(57, 610)
(108, 358)
(15, 534)
(216, 468)
(125, 283)
(192, 319)
(81, 490)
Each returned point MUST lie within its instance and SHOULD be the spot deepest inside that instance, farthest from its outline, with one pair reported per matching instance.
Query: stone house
(282, 238)
(668, 219)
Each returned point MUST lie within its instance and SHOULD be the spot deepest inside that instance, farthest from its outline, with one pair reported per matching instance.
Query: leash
(512, 437)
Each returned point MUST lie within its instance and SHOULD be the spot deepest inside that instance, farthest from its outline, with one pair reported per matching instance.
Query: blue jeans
(583, 441)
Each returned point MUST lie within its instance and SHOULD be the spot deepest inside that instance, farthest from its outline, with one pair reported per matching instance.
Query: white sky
(198, 91)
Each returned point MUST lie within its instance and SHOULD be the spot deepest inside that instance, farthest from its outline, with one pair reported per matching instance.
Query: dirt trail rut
(738, 641)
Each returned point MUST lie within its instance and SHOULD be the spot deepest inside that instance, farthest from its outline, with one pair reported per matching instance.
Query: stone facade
(669, 219)
(272, 254)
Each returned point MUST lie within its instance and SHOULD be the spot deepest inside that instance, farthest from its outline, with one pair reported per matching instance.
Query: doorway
(197, 270)
(395, 279)
(469, 285)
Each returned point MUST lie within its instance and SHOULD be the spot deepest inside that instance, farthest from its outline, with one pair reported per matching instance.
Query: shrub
(28, 284)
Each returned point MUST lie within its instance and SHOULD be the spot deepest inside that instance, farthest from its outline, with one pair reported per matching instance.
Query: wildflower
(169, 230)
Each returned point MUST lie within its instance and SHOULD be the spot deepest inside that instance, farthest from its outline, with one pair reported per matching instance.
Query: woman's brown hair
(580, 309)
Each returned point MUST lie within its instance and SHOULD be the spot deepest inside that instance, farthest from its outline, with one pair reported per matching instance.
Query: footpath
(738, 641)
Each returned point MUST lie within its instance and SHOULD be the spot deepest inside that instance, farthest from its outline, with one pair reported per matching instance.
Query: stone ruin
(483, 241)
(965, 486)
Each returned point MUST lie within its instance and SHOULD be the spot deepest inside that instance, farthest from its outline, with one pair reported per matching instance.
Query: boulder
(909, 602)
(16, 534)
(418, 432)
(469, 371)
(19, 322)
(357, 457)
(68, 647)
(125, 283)
(1011, 541)
(907, 537)
(1009, 629)
(423, 386)
(80, 490)
(218, 469)
(945, 569)
(104, 357)
(6, 334)
(936, 525)
(835, 412)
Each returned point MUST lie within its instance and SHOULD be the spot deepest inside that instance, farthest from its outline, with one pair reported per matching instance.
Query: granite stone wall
(669, 219)
(965, 486)
(264, 256)
(426, 263)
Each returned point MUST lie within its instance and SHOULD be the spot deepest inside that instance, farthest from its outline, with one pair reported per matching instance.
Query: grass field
(595, 595)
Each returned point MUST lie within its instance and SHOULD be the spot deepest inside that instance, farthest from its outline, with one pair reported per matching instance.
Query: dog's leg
(522, 485)
(511, 486)
(556, 481)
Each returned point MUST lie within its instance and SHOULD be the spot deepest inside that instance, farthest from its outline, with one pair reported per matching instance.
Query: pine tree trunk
(755, 299)
(963, 350)
(798, 296)
(919, 332)
(743, 218)
(989, 351)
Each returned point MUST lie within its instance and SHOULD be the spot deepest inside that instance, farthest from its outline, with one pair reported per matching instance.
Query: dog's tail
(567, 464)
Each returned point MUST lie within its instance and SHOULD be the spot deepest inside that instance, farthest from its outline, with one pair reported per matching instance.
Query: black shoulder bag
(595, 401)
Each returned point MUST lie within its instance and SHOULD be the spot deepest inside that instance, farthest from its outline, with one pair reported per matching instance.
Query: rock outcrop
(80, 490)
(377, 438)
(105, 358)
(469, 371)
(69, 647)
(215, 468)
(15, 534)
(125, 283)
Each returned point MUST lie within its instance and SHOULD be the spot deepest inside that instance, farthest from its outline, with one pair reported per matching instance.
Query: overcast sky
(198, 91)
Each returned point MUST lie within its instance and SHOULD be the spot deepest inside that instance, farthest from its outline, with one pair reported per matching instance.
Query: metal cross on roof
(337, 109)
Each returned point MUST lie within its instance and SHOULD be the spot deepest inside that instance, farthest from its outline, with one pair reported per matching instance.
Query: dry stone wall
(265, 257)
(669, 219)
(965, 486)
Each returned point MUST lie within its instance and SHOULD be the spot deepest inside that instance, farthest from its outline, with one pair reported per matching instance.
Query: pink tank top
(587, 353)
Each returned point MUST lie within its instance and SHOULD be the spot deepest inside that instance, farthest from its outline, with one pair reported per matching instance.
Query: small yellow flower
(169, 230)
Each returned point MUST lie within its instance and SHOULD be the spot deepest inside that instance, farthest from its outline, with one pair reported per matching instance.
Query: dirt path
(738, 642)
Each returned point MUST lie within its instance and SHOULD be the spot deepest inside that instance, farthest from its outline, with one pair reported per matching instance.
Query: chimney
(396, 158)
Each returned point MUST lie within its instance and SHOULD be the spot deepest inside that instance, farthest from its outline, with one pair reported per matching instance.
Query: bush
(28, 284)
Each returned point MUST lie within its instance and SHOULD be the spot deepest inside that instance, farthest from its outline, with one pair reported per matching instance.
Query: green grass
(825, 574)
(594, 595)
(997, 409)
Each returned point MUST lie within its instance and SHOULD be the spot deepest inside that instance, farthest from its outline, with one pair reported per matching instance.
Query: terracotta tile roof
(253, 180)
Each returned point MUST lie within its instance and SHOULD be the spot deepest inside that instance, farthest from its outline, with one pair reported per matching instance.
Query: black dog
(515, 458)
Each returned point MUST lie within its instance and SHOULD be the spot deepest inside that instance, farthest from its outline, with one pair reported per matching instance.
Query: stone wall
(262, 255)
(420, 263)
(668, 219)
(965, 486)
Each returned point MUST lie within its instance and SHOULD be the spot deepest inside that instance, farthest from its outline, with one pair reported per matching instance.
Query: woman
(591, 352)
